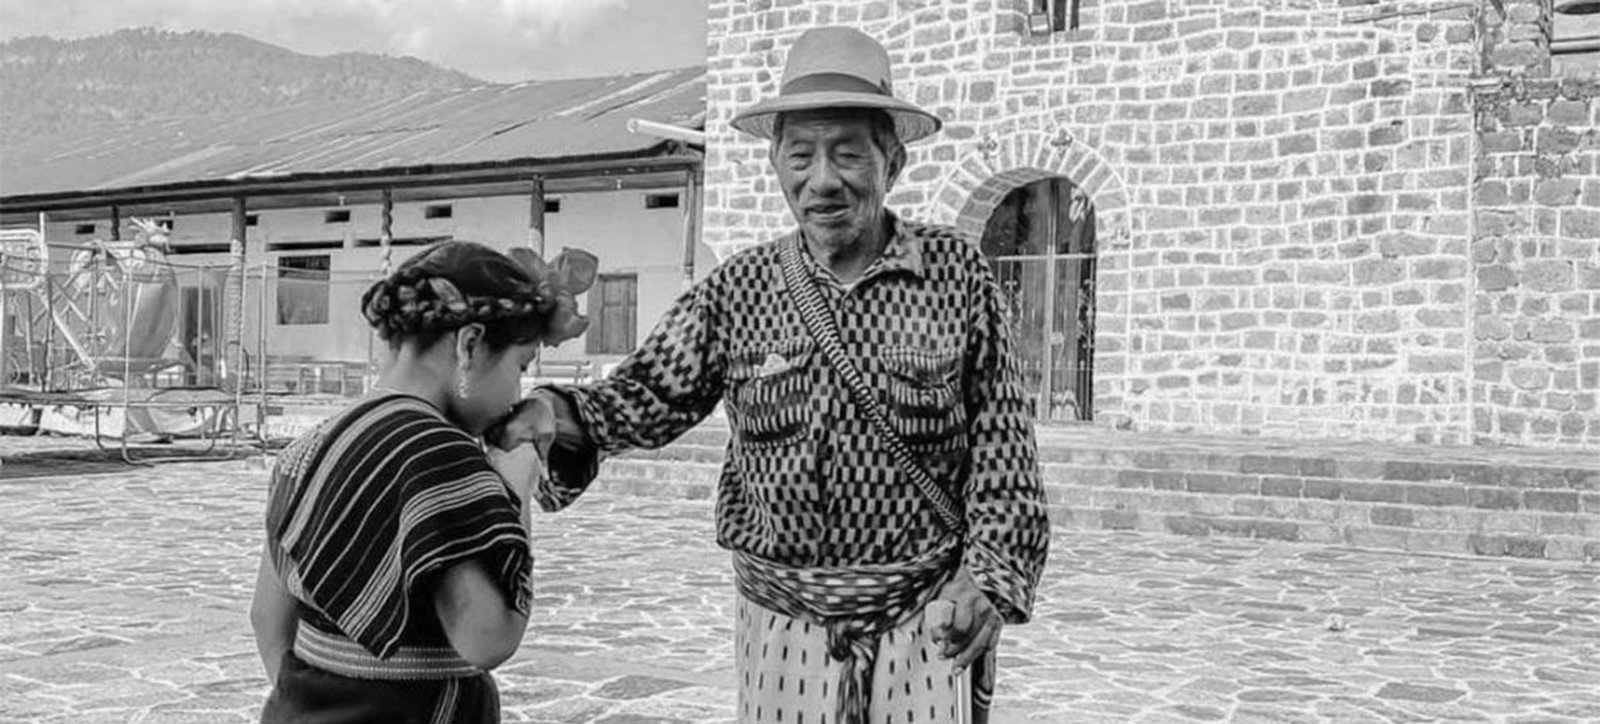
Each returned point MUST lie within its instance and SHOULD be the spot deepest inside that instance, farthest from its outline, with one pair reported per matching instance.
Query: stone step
(1178, 454)
(1474, 501)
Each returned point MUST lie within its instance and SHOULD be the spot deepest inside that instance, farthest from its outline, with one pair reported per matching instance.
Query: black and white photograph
(799, 361)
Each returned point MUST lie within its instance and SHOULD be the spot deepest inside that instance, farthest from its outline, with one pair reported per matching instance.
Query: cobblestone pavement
(123, 598)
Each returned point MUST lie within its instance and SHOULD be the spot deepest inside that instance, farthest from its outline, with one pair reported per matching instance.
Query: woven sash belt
(856, 606)
(338, 655)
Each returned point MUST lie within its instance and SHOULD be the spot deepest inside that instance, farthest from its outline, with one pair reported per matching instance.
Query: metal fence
(1051, 310)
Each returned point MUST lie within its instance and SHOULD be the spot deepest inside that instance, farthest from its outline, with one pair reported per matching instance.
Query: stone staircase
(1470, 501)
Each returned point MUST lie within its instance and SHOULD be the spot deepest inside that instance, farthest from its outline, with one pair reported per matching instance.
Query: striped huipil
(364, 514)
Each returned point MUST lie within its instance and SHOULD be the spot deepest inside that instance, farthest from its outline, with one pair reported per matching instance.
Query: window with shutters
(613, 310)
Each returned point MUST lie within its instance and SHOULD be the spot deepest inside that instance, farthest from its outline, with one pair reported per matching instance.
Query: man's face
(833, 175)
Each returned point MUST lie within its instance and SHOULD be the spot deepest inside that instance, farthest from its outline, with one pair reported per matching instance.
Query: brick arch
(973, 189)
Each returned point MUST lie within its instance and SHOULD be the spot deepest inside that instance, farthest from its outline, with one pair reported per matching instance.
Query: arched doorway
(1040, 241)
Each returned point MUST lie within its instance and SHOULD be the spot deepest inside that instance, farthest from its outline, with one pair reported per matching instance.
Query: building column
(536, 216)
(116, 223)
(691, 222)
(234, 357)
(386, 230)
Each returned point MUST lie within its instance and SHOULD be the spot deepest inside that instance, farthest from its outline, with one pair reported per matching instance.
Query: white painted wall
(615, 225)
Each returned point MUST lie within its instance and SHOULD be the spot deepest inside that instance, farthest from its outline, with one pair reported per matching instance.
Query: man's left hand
(976, 625)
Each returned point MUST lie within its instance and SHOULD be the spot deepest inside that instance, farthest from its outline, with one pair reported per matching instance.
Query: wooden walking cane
(939, 616)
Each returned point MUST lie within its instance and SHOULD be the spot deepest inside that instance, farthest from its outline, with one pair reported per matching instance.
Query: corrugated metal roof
(532, 121)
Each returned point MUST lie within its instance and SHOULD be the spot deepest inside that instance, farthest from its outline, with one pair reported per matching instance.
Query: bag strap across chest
(824, 331)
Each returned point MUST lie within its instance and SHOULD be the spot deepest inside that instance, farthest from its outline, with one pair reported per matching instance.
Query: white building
(312, 191)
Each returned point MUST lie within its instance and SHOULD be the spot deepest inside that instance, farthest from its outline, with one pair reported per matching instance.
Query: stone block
(1497, 277)
(1491, 193)
(1378, 322)
(1441, 318)
(1378, 271)
(1439, 268)
(1233, 321)
(1516, 522)
(1437, 541)
(1530, 377)
(1283, 530)
(1496, 328)
(1500, 142)
(1387, 135)
(1436, 495)
(982, 91)
(1322, 488)
(1563, 548)
(1550, 331)
(1223, 483)
(1377, 537)
(1523, 114)
(1556, 191)
(1550, 141)
(1486, 545)
(1232, 277)
(1548, 275)
(1391, 516)
(1281, 486)
(1568, 113)
(1187, 525)
(1525, 547)
(1574, 525)
(1379, 492)
(1134, 479)
(1167, 479)
(1435, 363)
(1555, 501)
(1589, 275)
(1119, 519)
(1577, 223)
(1323, 273)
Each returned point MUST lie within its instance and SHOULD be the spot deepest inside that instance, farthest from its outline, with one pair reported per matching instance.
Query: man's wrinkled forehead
(853, 121)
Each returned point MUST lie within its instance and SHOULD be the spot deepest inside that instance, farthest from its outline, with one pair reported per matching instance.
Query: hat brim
(911, 123)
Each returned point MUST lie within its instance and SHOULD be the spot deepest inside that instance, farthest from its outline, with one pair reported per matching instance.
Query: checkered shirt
(806, 479)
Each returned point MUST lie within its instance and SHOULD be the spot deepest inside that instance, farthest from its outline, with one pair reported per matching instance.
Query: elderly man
(881, 456)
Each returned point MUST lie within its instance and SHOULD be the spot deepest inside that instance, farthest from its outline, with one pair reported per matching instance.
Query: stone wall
(1282, 194)
(1536, 250)
(1501, 501)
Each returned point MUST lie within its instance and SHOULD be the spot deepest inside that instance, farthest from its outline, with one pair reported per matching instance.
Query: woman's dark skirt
(305, 694)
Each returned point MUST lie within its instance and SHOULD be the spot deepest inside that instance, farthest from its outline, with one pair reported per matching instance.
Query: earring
(463, 390)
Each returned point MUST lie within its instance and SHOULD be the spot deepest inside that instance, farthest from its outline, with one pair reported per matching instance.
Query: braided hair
(455, 283)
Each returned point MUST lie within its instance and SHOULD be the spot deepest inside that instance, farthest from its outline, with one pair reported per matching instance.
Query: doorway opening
(1040, 241)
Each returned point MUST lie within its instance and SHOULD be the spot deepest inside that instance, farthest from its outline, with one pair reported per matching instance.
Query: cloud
(487, 38)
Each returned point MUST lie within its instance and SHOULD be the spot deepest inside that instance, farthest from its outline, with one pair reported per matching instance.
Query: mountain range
(49, 85)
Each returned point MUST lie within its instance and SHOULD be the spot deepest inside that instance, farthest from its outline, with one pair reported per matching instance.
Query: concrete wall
(1283, 194)
(614, 225)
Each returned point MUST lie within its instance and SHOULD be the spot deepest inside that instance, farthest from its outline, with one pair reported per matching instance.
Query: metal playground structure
(116, 340)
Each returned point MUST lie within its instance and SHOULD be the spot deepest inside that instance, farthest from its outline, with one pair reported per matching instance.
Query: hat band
(833, 83)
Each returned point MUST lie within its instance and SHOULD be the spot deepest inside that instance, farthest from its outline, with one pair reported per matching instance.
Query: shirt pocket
(770, 388)
(923, 394)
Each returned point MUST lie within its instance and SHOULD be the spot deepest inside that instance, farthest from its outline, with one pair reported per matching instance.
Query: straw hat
(837, 67)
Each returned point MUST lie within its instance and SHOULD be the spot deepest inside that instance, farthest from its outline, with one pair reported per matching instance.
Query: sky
(496, 40)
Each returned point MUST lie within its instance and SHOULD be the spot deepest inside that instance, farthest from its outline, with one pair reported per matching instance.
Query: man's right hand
(532, 420)
(522, 468)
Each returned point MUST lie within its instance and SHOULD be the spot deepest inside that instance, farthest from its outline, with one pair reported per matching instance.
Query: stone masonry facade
(1315, 218)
